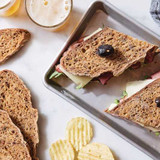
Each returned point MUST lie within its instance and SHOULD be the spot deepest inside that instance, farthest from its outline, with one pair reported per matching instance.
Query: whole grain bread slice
(141, 107)
(11, 40)
(82, 59)
(15, 99)
(12, 144)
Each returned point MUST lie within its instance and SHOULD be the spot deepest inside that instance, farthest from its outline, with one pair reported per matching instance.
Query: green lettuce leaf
(55, 74)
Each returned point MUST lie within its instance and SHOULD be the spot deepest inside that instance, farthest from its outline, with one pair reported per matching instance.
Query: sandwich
(105, 54)
(140, 104)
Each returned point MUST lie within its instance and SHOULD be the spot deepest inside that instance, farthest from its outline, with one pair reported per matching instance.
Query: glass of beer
(49, 14)
(9, 7)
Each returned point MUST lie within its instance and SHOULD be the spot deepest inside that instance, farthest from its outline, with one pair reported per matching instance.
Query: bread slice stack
(15, 99)
(12, 144)
(11, 40)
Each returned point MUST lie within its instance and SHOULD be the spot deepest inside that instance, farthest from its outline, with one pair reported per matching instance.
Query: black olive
(158, 101)
(105, 50)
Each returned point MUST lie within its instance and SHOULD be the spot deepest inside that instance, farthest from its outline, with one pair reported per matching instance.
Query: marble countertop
(35, 58)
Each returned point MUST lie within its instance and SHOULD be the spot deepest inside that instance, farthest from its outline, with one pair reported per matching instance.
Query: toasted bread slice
(141, 108)
(15, 99)
(12, 144)
(11, 40)
(82, 59)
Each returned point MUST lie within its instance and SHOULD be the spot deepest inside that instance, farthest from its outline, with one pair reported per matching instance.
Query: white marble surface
(33, 60)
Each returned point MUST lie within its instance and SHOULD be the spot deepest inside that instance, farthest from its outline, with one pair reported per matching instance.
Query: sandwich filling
(131, 89)
(80, 81)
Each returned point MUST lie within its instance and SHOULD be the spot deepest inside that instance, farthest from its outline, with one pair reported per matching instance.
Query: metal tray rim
(76, 104)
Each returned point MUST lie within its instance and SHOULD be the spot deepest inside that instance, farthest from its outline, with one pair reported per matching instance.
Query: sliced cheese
(95, 32)
(112, 106)
(81, 81)
(135, 86)
(132, 88)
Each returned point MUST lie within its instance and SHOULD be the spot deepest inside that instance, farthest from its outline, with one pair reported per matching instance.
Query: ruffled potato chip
(95, 151)
(79, 132)
(62, 150)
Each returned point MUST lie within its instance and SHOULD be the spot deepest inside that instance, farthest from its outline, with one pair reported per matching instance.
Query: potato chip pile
(79, 133)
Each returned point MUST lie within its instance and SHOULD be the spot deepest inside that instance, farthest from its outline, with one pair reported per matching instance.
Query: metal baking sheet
(94, 98)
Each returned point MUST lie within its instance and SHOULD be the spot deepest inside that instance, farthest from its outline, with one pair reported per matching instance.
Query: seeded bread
(11, 40)
(141, 107)
(12, 144)
(82, 59)
(15, 99)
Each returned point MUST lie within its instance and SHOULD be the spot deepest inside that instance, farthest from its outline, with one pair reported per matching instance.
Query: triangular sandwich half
(105, 54)
(142, 108)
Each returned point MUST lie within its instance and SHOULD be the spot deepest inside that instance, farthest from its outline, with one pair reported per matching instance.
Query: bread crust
(82, 59)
